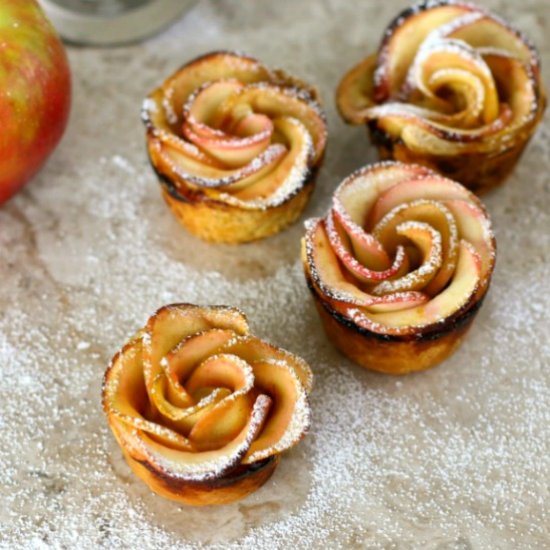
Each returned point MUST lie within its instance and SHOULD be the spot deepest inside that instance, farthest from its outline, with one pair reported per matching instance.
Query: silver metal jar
(111, 22)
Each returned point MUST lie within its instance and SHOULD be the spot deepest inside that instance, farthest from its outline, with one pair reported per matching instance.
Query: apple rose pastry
(201, 408)
(399, 266)
(236, 146)
(452, 87)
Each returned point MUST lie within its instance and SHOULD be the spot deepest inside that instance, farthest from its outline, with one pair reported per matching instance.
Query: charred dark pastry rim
(454, 322)
(239, 473)
(192, 196)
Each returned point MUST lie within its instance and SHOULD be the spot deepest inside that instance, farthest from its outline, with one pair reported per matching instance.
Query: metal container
(111, 22)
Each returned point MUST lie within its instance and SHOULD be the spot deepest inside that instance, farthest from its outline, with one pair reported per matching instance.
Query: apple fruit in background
(35, 92)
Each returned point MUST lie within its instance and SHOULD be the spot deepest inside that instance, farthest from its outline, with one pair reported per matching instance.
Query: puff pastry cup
(201, 409)
(453, 87)
(236, 146)
(399, 266)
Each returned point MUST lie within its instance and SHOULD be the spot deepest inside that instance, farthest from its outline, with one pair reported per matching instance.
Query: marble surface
(454, 458)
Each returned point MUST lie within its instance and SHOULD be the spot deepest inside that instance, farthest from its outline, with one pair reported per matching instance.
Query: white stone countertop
(454, 458)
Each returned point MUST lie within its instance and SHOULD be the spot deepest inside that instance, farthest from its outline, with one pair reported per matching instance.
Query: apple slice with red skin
(193, 171)
(233, 151)
(276, 101)
(253, 350)
(289, 419)
(252, 133)
(403, 37)
(437, 216)
(200, 109)
(373, 251)
(201, 466)
(174, 323)
(428, 241)
(474, 226)
(461, 291)
(327, 275)
(433, 187)
(354, 198)
(221, 65)
(125, 398)
(290, 172)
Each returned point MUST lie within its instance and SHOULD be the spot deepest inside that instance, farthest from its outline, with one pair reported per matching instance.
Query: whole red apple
(35, 92)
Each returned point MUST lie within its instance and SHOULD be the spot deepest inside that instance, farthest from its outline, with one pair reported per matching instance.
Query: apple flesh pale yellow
(35, 93)
(410, 318)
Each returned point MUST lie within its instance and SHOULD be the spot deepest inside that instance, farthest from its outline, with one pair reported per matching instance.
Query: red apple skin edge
(35, 92)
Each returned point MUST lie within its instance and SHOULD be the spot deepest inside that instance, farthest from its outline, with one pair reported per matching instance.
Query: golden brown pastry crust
(452, 87)
(201, 409)
(399, 266)
(236, 146)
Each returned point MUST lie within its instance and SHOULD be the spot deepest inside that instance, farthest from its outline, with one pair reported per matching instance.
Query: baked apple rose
(399, 266)
(201, 408)
(236, 146)
(453, 87)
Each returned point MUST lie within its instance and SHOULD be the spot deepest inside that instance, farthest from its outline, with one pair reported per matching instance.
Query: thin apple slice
(188, 354)
(194, 172)
(289, 174)
(201, 106)
(253, 350)
(467, 97)
(518, 86)
(173, 323)
(222, 371)
(430, 212)
(451, 300)
(438, 56)
(436, 215)
(355, 91)
(428, 241)
(275, 102)
(125, 397)
(182, 418)
(327, 276)
(433, 188)
(371, 250)
(209, 68)
(490, 32)
(202, 466)
(354, 198)
(363, 246)
(222, 423)
(289, 417)
(229, 150)
(474, 226)
(403, 37)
